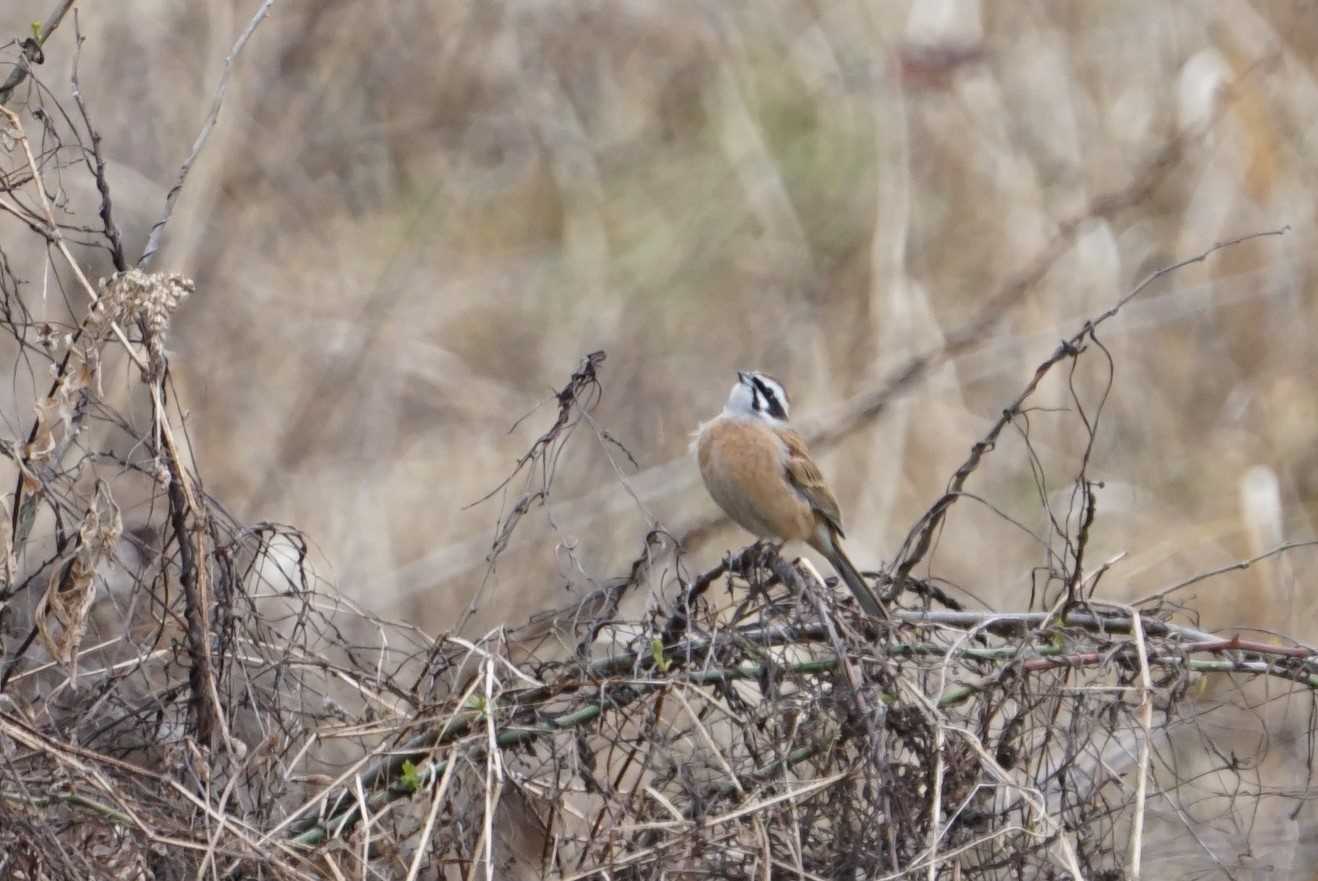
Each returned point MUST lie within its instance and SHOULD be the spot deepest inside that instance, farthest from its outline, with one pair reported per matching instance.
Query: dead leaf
(72, 588)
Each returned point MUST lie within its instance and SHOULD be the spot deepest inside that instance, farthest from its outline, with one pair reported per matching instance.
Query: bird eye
(774, 406)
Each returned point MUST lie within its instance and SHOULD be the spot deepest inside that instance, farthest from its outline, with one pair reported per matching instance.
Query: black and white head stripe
(767, 395)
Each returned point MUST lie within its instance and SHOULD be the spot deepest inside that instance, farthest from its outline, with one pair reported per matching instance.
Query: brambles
(192, 700)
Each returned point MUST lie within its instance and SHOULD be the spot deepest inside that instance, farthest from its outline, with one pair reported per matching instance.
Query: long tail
(853, 579)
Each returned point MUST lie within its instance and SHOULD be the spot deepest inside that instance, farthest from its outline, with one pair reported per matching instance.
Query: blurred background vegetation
(414, 219)
(408, 228)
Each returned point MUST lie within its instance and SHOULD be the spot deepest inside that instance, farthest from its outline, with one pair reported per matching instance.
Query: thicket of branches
(180, 697)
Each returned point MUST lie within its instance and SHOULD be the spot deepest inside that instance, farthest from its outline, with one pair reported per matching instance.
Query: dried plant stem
(920, 539)
(158, 228)
(936, 802)
(189, 525)
(1146, 734)
(53, 234)
(436, 802)
(32, 50)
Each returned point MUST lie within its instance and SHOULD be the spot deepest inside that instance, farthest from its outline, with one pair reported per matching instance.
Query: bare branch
(32, 47)
(158, 228)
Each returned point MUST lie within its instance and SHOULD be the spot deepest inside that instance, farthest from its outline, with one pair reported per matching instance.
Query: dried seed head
(148, 297)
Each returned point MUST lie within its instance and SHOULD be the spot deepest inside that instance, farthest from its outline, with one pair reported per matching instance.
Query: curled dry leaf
(56, 415)
(61, 615)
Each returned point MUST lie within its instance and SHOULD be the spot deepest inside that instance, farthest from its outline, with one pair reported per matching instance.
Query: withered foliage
(180, 697)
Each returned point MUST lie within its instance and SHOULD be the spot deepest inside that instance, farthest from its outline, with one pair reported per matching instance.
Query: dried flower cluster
(150, 299)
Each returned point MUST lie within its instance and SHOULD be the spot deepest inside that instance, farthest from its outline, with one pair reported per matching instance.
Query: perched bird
(761, 474)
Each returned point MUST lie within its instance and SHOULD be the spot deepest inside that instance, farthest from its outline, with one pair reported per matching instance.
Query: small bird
(761, 474)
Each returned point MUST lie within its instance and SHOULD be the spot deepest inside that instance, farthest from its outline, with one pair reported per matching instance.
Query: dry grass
(408, 226)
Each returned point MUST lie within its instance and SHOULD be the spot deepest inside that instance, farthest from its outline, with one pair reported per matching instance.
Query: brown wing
(804, 474)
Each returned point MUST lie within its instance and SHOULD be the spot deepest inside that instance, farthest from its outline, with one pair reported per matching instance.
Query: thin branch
(32, 49)
(921, 537)
(1238, 566)
(158, 228)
